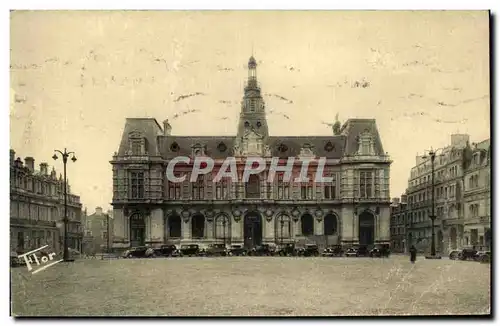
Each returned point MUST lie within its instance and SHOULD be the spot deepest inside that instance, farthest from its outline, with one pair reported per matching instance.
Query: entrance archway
(330, 224)
(137, 230)
(453, 238)
(174, 226)
(307, 224)
(222, 228)
(252, 229)
(366, 229)
(198, 226)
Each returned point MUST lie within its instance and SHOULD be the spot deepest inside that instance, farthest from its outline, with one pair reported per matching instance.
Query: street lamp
(65, 156)
(432, 155)
(282, 223)
(224, 230)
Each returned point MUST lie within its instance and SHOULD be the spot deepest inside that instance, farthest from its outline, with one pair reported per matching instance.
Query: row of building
(37, 212)
(462, 199)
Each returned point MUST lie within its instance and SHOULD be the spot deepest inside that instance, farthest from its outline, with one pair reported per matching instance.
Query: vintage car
(14, 260)
(351, 252)
(380, 251)
(309, 250)
(189, 250)
(237, 250)
(333, 251)
(287, 250)
(362, 251)
(138, 252)
(467, 254)
(262, 250)
(167, 251)
(454, 254)
(483, 256)
(216, 250)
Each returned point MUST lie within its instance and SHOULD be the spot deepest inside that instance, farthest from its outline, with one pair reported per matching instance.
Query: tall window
(198, 188)
(222, 189)
(306, 189)
(174, 188)
(136, 147)
(252, 187)
(283, 188)
(137, 184)
(331, 188)
(366, 184)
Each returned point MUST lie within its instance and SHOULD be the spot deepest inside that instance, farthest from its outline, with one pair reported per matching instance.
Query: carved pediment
(252, 143)
(366, 144)
(135, 134)
(307, 151)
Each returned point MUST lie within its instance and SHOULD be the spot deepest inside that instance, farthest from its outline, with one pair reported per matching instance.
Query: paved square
(243, 286)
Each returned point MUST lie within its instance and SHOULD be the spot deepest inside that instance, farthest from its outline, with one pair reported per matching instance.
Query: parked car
(189, 250)
(167, 251)
(483, 256)
(237, 250)
(454, 254)
(309, 250)
(262, 250)
(287, 250)
(351, 252)
(362, 251)
(380, 251)
(138, 252)
(216, 250)
(14, 260)
(333, 251)
(467, 254)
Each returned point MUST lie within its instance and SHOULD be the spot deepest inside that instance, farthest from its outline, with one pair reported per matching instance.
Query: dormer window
(138, 144)
(366, 144)
(198, 150)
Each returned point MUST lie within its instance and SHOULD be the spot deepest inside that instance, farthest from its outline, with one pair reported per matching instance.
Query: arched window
(198, 226)
(307, 224)
(330, 224)
(174, 226)
(222, 227)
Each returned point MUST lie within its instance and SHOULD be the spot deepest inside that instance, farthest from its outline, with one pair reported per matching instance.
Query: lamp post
(432, 155)
(224, 230)
(65, 156)
(282, 223)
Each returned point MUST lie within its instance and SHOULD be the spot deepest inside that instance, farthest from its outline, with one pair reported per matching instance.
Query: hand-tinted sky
(76, 76)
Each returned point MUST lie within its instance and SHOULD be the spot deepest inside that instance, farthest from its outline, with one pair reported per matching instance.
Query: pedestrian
(413, 254)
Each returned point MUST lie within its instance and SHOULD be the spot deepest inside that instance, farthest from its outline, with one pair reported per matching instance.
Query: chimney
(12, 156)
(167, 128)
(18, 162)
(98, 211)
(30, 163)
(44, 168)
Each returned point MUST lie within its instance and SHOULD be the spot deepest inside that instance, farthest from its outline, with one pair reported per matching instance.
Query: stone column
(269, 229)
(186, 229)
(156, 226)
(210, 228)
(236, 230)
(319, 226)
(346, 219)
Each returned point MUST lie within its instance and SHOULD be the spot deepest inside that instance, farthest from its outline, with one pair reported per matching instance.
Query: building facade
(451, 166)
(98, 228)
(477, 196)
(352, 209)
(398, 224)
(37, 208)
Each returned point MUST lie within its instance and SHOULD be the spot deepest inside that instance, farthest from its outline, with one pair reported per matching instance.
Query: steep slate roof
(185, 143)
(353, 128)
(148, 127)
(344, 144)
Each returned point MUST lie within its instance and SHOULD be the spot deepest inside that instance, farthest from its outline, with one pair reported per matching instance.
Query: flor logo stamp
(42, 261)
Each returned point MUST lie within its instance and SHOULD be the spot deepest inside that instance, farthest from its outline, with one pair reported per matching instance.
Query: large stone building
(352, 209)
(477, 196)
(98, 231)
(399, 208)
(37, 208)
(452, 209)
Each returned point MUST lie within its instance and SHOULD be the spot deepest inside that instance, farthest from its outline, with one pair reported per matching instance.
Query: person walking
(413, 254)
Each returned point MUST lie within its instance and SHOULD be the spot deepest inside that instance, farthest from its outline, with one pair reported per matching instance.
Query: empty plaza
(253, 286)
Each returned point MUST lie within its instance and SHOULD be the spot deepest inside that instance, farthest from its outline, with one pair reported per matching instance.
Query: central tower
(253, 115)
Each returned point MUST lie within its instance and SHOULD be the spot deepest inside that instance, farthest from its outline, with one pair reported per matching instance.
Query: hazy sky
(76, 76)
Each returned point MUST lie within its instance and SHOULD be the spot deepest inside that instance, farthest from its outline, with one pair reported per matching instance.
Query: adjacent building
(150, 210)
(37, 208)
(477, 196)
(399, 208)
(98, 228)
(457, 196)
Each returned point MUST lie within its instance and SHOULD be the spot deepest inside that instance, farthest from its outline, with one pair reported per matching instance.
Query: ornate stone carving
(185, 214)
(269, 213)
(295, 212)
(267, 151)
(318, 212)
